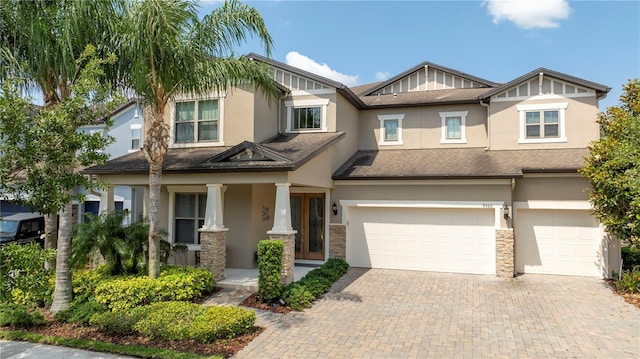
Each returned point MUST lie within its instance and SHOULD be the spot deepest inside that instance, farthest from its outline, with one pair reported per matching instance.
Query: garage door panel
(557, 242)
(446, 240)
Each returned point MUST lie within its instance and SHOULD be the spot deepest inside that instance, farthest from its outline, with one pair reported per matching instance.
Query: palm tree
(166, 50)
(40, 42)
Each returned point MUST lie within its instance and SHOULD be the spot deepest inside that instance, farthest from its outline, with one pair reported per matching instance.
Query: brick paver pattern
(404, 314)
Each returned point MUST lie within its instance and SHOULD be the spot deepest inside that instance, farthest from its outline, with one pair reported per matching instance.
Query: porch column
(213, 234)
(282, 230)
(107, 201)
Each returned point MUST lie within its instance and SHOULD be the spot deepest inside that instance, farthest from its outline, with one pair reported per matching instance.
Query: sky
(360, 42)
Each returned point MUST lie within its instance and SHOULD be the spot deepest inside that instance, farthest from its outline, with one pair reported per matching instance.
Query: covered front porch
(248, 278)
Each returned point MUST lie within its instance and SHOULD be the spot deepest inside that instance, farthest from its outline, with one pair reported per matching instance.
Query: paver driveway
(404, 314)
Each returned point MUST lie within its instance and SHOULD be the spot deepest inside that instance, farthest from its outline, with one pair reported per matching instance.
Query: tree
(613, 166)
(40, 42)
(121, 246)
(166, 50)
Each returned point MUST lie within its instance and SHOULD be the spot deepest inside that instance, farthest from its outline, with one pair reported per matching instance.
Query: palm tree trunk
(50, 237)
(155, 149)
(63, 294)
(155, 175)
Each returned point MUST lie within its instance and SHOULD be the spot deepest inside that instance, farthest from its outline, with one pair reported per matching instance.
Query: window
(189, 217)
(307, 118)
(542, 123)
(307, 115)
(454, 127)
(136, 135)
(196, 121)
(390, 129)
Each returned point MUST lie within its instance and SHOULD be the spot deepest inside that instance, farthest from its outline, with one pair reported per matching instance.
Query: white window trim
(463, 126)
(560, 107)
(322, 103)
(172, 121)
(136, 126)
(383, 118)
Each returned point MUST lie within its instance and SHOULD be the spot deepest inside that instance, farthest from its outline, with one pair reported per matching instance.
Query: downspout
(280, 100)
(485, 105)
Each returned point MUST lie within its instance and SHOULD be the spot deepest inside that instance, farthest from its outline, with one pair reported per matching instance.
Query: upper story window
(136, 136)
(390, 129)
(454, 127)
(196, 121)
(307, 115)
(542, 123)
(190, 210)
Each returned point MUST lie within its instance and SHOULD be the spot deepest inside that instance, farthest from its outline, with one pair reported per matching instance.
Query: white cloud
(382, 75)
(529, 14)
(300, 61)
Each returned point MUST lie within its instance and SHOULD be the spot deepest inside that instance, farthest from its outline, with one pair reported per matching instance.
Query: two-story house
(433, 170)
(126, 129)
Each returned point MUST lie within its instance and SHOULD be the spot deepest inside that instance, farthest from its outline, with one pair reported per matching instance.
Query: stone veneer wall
(337, 241)
(288, 257)
(505, 253)
(213, 255)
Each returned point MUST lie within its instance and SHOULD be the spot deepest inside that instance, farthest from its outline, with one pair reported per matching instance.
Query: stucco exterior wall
(238, 117)
(262, 212)
(422, 127)
(348, 121)
(317, 172)
(580, 123)
(265, 118)
(551, 188)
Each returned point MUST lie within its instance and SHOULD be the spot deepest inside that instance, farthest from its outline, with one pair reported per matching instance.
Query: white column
(282, 213)
(107, 201)
(213, 218)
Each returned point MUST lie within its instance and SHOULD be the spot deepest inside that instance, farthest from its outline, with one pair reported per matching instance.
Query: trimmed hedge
(299, 295)
(17, 315)
(81, 312)
(178, 321)
(174, 284)
(270, 252)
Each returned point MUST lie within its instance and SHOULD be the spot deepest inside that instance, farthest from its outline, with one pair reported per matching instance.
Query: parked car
(22, 228)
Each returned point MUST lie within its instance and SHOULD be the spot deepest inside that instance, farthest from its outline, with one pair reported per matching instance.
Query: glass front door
(307, 217)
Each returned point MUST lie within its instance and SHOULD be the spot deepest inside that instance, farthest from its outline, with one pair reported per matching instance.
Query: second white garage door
(558, 242)
(440, 240)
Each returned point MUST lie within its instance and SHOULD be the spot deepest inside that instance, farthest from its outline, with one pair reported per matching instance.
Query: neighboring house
(126, 129)
(433, 170)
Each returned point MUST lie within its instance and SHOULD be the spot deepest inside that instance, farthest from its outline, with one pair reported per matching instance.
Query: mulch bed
(631, 298)
(253, 302)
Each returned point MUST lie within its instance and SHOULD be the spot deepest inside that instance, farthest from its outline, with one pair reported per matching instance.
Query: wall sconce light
(505, 211)
(334, 208)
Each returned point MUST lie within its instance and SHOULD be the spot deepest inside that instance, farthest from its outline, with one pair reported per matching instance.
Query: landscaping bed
(631, 298)
(224, 347)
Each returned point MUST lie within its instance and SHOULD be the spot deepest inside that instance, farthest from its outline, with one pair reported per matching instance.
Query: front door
(307, 217)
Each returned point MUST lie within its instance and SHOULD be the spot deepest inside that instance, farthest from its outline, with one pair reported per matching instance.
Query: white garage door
(441, 240)
(557, 242)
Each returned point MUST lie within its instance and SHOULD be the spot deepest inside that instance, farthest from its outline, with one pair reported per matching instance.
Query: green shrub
(118, 323)
(80, 312)
(174, 284)
(85, 281)
(630, 258)
(17, 315)
(184, 320)
(23, 279)
(630, 281)
(299, 295)
(270, 252)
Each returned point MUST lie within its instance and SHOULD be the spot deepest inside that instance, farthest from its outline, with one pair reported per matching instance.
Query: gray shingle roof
(419, 98)
(457, 163)
(285, 152)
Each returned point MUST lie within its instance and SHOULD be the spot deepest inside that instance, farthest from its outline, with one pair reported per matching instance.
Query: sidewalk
(19, 350)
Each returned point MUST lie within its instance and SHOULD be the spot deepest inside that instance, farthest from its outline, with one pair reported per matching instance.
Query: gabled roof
(384, 84)
(601, 90)
(281, 153)
(450, 163)
(341, 88)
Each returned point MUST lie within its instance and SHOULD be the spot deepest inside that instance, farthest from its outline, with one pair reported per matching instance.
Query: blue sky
(358, 42)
